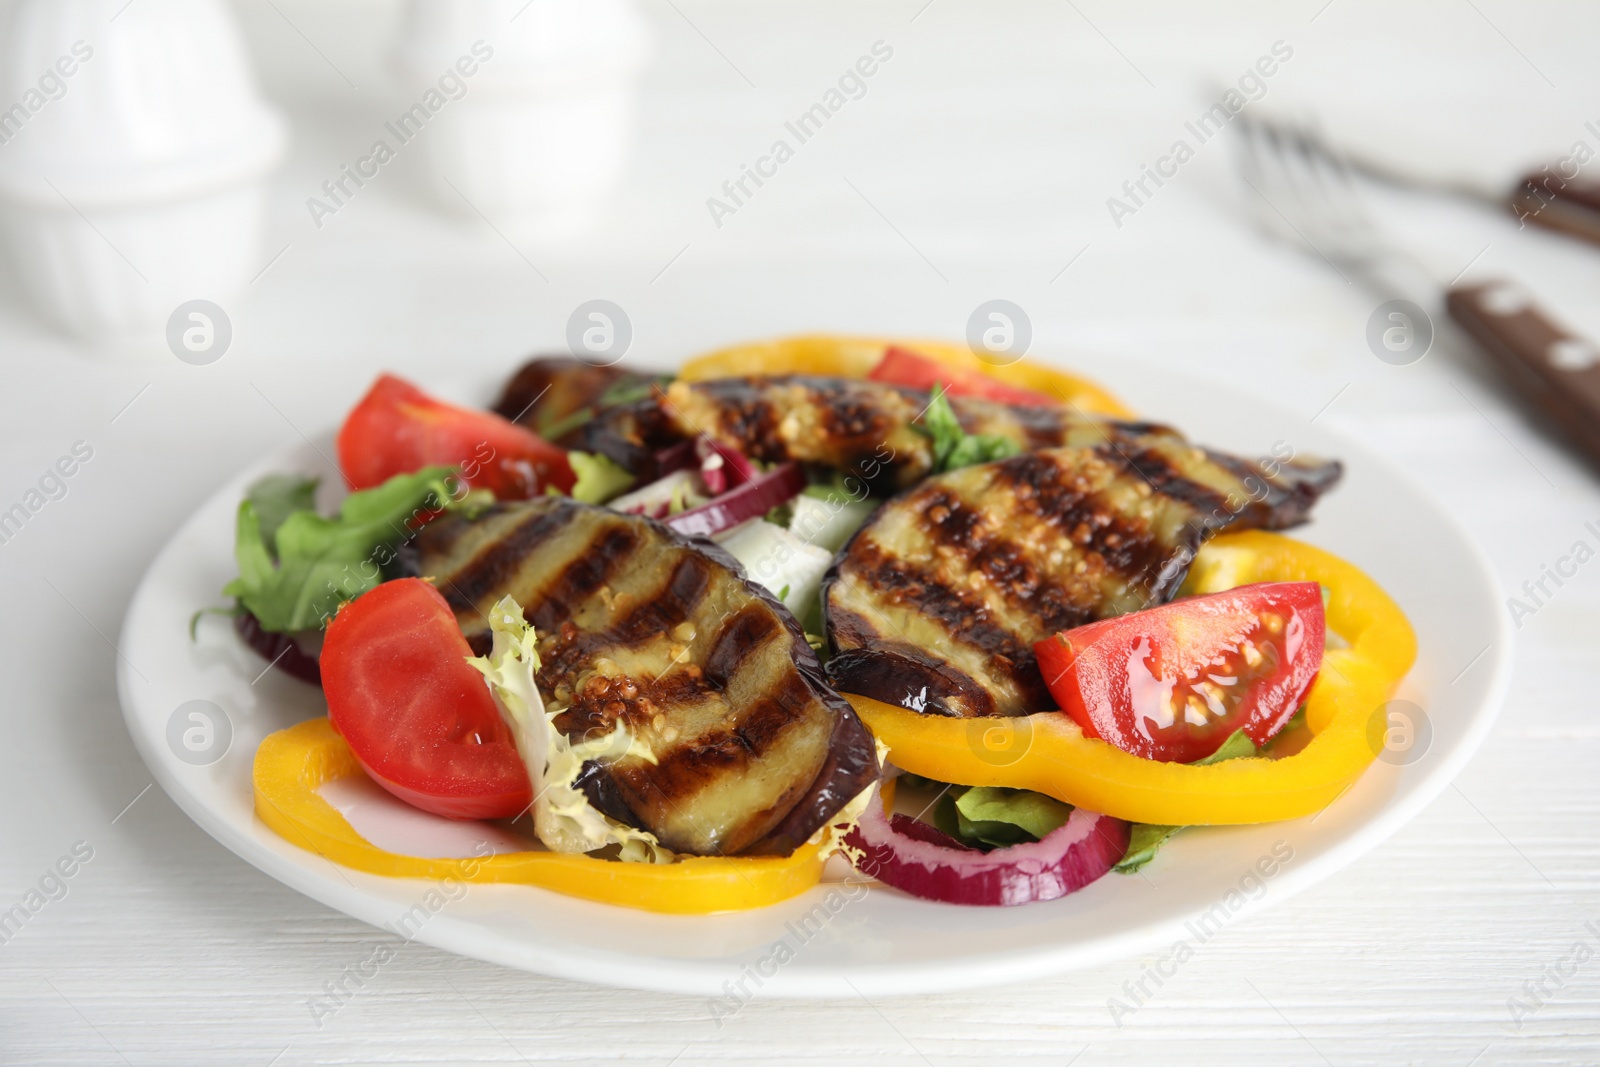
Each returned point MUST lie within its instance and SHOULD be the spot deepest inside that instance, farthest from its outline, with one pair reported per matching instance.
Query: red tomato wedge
(397, 429)
(417, 716)
(901, 366)
(1174, 682)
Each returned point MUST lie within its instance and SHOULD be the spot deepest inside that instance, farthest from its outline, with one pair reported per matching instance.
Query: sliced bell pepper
(854, 357)
(292, 764)
(1047, 752)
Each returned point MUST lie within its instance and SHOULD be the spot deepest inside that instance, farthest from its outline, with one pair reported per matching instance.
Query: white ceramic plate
(844, 941)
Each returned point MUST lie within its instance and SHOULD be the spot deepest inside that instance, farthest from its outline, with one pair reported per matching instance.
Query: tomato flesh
(901, 366)
(1174, 682)
(417, 716)
(398, 429)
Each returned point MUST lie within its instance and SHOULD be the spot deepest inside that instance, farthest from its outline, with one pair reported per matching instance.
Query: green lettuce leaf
(276, 497)
(993, 816)
(313, 563)
(599, 478)
(1237, 746)
(1143, 844)
(953, 447)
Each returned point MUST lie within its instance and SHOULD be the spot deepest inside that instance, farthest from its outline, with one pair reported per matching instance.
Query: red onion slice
(674, 457)
(722, 468)
(904, 854)
(734, 466)
(282, 651)
(742, 503)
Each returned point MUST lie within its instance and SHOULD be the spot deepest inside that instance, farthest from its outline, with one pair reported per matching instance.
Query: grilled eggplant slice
(753, 751)
(936, 602)
(632, 435)
(556, 395)
(863, 427)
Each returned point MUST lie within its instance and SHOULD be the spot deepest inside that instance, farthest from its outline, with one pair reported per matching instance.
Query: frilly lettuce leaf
(599, 478)
(563, 818)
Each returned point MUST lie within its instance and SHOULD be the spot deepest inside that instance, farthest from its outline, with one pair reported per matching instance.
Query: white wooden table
(977, 166)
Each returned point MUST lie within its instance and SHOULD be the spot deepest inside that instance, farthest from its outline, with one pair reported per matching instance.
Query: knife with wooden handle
(1317, 209)
(1557, 370)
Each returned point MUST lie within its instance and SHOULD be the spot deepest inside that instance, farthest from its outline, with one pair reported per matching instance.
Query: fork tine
(1261, 167)
(1307, 195)
(1282, 191)
(1332, 179)
(1307, 191)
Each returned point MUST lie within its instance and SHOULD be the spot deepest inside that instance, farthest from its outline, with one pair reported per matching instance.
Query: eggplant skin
(754, 751)
(630, 435)
(552, 395)
(937, 600)
(860, 426)
(547, 389)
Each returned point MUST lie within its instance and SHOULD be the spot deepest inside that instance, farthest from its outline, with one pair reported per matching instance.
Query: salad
(978, 630)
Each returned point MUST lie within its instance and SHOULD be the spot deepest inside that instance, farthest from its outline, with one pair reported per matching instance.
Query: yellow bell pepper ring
(854, 357)
(1048, 753)
(292, 764)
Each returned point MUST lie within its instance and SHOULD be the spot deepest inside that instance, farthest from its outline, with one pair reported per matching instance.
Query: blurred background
(213, 151)
(209, 257)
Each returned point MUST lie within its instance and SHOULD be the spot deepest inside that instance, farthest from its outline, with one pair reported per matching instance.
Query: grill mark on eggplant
(737, 712)
(955, 526)
(964, 616)
(1164, 477)
(917, 672)
(747, 415)
(996, 557)
(852, 759)
(748, 628)
(728, 749)
(679, 598)
(849, 414)
(1082, 515)
(583, 576)
(756, 421)
(496, 562)
(1037, 432)
(760, 725)
(748, 737)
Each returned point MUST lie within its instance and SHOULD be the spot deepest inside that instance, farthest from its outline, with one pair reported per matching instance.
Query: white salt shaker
(134, 149)
(536, 136)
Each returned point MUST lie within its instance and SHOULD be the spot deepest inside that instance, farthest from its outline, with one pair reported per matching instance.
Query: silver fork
(1305, 194)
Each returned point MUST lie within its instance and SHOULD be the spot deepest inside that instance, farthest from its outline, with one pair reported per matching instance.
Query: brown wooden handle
(1571, 205)
(1553, 367)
